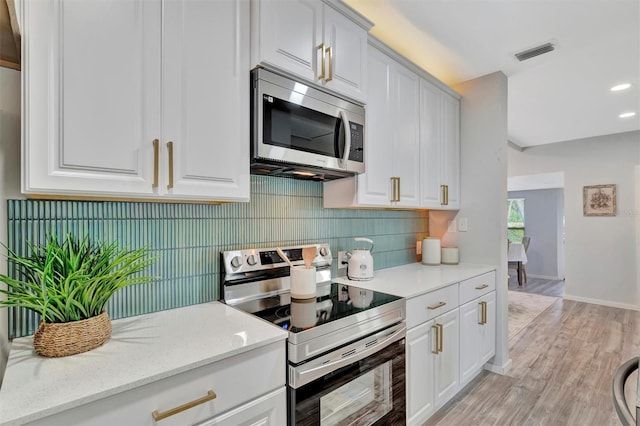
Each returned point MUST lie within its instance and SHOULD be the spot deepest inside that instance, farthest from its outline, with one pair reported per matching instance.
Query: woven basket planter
(70, 338)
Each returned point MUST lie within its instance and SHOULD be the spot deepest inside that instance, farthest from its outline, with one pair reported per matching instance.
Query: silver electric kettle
(360, 264)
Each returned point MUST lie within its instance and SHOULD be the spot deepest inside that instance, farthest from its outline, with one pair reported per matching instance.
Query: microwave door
(292, 126)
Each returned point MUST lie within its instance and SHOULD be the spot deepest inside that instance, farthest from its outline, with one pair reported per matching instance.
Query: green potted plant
(68, 283)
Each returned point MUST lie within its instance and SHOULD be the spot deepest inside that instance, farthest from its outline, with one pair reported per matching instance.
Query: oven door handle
(347, 138)
(301, 377)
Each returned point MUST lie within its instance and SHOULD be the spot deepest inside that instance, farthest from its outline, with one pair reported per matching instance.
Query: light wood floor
(563, 364)
(537, 286)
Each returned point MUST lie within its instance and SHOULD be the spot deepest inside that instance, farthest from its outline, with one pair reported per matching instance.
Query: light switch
(463, 226)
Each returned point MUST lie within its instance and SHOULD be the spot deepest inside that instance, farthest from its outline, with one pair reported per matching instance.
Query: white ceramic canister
(450, 256)
(303, 282)
(431, 251)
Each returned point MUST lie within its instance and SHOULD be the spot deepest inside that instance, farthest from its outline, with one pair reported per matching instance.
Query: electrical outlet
(453, 226)
(419, 247)
(463, 225)
(342, 259)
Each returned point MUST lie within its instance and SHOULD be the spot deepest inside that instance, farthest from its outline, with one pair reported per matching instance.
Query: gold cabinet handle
(442, 196)
(322, 51)
(156, 159)
(330, 52)
(157, 416)
(436, 306)
(446, 195)
(440, 338)
(436, 339)
(398, 183)
(394, 190)
(482, 287)
(483, 313)
(170, 149)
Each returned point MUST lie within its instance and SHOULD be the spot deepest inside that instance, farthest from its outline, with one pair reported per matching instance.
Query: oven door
(362, 383)
(298, 124)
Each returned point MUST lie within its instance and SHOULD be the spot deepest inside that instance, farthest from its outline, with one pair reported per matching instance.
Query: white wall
(543, 208)
(483, 155)
(9, 176)
(600, 252)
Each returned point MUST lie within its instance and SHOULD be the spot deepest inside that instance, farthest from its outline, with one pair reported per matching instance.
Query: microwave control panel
(357, 146)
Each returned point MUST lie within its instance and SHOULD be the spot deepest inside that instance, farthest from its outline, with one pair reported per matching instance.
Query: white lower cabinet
(451, 335)
(477, 335)
(245, 389)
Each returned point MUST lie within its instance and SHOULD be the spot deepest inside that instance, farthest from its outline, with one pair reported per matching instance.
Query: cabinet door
(419, 377)
(430, 146)
(469, 340)
(268, 410)
(91, 107)
(487, 332)
(374, 186)
(348, 43)
(451, 149)
(406, 138)
(289, 35)
(206, 99)
(446, 362)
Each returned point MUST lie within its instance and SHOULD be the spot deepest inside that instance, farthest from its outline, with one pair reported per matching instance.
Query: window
(515, 221)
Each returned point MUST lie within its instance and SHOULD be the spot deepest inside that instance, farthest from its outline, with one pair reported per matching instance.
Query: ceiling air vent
(533, 52)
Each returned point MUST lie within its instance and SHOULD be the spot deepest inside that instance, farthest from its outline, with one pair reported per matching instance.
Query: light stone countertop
(142, 349)
(415, 279)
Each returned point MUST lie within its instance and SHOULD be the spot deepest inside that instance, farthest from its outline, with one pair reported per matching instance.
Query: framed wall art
(599, 200)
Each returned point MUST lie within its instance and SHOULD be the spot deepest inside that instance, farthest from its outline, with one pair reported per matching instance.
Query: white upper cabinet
(206, 98)
(440, 148)
(322, 42)
(107, 85)
(392, 141)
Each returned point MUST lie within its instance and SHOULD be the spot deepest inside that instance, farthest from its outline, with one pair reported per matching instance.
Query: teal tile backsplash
(188, 238)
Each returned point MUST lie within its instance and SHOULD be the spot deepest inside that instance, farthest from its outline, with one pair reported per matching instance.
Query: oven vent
(535, 51)
(371, 343)
(348, 353)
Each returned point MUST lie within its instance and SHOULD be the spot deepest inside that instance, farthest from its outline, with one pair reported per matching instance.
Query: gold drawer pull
(482, 287)
(436, 339)
(436, 306)
(211, 395)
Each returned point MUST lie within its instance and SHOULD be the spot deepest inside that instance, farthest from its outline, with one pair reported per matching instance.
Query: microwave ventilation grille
(535, 51)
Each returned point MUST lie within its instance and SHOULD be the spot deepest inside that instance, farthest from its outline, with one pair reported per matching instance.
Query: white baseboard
(499, 369)
(602, 302)
(544, 277)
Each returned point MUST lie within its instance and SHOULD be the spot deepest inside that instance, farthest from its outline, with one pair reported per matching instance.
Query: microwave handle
(347, 138)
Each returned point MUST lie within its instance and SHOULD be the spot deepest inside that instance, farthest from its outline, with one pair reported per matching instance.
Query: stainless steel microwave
(301, 132)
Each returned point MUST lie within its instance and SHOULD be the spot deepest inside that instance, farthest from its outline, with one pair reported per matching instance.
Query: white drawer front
(477, 286)
(426, 306)
(235, 381)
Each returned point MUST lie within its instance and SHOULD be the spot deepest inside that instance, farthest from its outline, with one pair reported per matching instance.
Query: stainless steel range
(346, 354)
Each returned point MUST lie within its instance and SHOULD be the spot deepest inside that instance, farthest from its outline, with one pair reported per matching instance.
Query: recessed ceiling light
(627, 114)
(620, 87)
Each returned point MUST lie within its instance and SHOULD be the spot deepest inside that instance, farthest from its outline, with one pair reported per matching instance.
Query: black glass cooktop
(342, 301)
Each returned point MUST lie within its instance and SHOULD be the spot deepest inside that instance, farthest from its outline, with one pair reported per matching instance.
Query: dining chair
(514, 265)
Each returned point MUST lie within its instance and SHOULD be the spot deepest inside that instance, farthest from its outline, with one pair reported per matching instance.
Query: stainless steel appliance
(302, 132)
(346, 347)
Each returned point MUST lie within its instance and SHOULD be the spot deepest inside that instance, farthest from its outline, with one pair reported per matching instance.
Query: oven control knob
(236, 261)
(251, 260)
(323, 251)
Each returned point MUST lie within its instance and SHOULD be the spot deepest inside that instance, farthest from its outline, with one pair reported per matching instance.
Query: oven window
(363, 400)
(293, 126)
